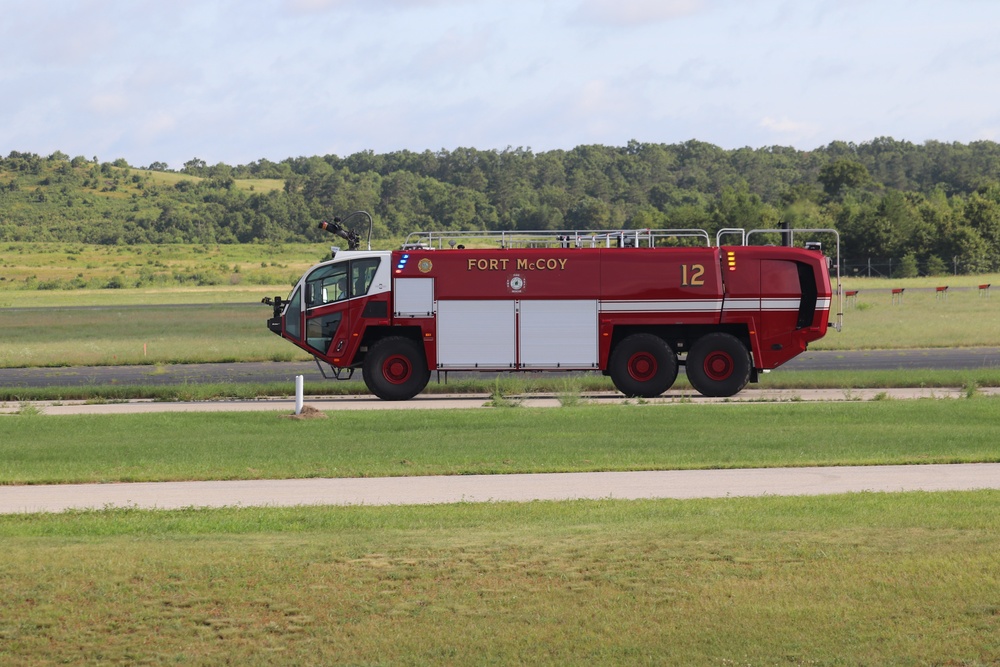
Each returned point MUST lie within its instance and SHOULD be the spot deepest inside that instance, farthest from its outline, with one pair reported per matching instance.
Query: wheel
(395, 369)
(718, 365)
(643, 365)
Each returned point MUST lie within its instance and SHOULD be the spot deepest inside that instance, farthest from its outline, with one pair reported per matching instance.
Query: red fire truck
(633, 304)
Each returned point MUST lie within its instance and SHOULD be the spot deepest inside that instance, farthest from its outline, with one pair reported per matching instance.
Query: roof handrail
(726, 231)
(577, 238)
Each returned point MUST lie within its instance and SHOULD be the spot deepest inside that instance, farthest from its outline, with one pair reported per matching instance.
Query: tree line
(932, 207)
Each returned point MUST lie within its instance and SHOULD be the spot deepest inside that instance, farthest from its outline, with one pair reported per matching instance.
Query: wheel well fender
(681, 337)
(373, 335)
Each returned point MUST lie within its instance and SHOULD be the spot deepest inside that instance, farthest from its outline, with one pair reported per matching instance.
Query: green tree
(907, 267)
(841, 175)
(195, 167)
(982, 212)
(738, 207)
(935, 266)
(589, 213)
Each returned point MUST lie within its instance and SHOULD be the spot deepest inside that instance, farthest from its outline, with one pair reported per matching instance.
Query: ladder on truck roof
(619, 238)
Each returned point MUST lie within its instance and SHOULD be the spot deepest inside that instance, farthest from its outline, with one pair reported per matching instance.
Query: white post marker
(298, 394)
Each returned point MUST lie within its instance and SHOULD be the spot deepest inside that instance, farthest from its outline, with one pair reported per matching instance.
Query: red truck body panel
(564, 308)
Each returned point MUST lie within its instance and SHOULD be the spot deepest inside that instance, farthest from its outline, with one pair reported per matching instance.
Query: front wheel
(718, 365)
(643, 366)
(395, 369)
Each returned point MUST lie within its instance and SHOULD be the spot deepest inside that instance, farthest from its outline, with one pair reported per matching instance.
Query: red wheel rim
(397, 369)
(642, 367)
(718, 365)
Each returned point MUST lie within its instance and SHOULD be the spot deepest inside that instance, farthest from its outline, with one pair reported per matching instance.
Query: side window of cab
(362, 274)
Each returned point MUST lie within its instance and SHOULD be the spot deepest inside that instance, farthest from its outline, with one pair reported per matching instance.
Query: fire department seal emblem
(425, 265)
(515, 283)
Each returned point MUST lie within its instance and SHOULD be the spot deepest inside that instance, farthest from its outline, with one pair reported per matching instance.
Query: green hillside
(901, 208)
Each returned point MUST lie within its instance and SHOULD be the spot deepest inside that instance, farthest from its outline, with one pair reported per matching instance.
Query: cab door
(326, 305)
(334, 297)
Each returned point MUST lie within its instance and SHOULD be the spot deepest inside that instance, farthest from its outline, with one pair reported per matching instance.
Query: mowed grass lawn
(860, 579)
(186, 446)
(966, 317)
(122, 335)
(864, 579)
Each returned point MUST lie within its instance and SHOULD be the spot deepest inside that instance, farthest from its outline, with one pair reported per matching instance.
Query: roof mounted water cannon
(339, 228)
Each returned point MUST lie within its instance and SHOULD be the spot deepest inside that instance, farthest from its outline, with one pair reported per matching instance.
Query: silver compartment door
(558, 334)
(475, 334)
(413, 297)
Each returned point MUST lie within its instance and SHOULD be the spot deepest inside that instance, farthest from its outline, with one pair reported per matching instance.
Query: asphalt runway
(268, 371)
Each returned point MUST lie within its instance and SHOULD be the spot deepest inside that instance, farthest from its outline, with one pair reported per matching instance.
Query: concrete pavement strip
(678, 484)
(456, 401)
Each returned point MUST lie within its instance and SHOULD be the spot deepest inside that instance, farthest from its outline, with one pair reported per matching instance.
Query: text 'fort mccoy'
(520, 264)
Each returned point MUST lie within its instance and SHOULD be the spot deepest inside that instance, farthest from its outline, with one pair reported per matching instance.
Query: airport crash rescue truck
(615, 302)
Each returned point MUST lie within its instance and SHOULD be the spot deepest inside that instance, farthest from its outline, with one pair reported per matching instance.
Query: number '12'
(692, 275)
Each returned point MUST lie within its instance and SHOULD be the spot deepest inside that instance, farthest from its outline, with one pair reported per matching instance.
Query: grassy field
(116, 335)
(965, 318)
(184, 446)
(186, 278)
(183, 329)
(72, 269)
(867, 579)
(250, 184)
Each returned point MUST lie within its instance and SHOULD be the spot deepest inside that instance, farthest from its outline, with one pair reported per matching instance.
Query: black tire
(395, 369)
(718, 365)
(643, 366)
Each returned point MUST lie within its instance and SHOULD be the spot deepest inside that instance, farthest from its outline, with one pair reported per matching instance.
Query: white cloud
(789, 129)
(320, 6)
(107, 103)
(454, 49)
(156, 125)
(704, 73)
(312, 6)
(639, 12)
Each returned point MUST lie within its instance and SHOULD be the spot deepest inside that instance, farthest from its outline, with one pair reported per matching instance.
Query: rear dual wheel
(643, 366)
(718, 365)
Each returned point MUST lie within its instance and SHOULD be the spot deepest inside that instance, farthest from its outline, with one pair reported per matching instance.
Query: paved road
(264, 372)
(496, 488)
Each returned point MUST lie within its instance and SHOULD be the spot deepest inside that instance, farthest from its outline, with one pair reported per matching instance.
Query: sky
(235, 81)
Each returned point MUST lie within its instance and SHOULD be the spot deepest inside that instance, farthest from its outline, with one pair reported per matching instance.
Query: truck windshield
(326, 285)
(293, 313)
